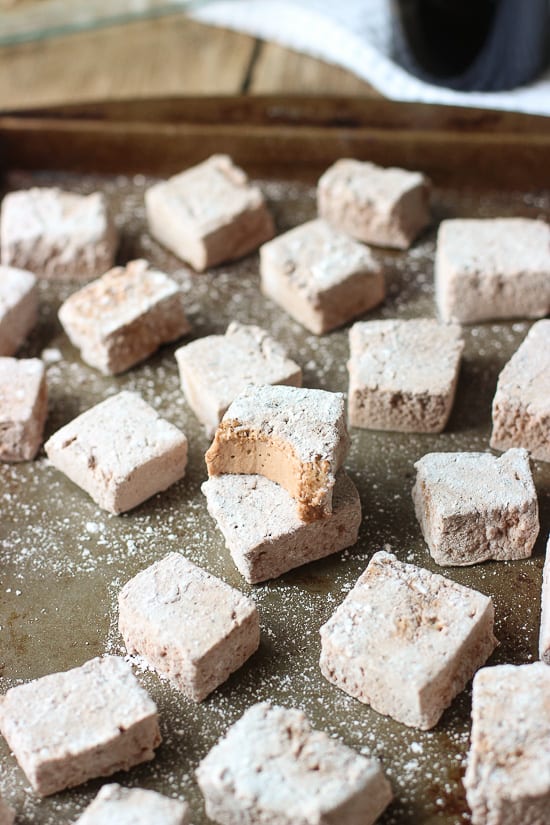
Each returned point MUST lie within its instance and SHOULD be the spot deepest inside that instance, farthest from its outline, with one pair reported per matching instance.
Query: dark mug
(472, 45)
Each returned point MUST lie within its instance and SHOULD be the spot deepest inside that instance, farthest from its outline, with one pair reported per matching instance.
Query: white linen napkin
(356, 35)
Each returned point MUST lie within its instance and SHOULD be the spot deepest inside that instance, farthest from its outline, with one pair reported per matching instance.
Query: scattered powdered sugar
(63, 560)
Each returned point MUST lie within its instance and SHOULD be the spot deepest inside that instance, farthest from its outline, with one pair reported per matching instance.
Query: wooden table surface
(169, 55)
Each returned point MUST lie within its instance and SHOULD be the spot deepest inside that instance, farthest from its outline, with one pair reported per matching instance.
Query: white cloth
(356, 34)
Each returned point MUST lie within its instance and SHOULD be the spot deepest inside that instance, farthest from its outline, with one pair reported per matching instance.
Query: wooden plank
(278, 70)
(507, 160)
(170, 55)
(277, 110)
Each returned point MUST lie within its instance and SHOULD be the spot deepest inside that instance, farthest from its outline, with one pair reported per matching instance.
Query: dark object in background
(472, 45)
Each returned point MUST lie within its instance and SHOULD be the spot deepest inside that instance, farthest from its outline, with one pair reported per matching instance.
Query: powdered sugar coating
(381, 206)
(492, 268)
(124, 316)
(406, 641)
(403, 374)
(23, 407)
(311, 421)
(166, 615)
(18, 307)
(272, 767)
(68, 727)
(521, 406)
(320, 276)
(263, 531)
(115, 805)
(209, 213)
(120, 452)
(57, 234)
(507, 778)
(474, 506)
(215, 369)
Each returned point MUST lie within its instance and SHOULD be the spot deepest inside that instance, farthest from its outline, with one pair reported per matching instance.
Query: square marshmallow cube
(383, 207)
(320, 276)
(124, 316)
(23, 407)
(57, 235)
(295, 437)
(406, 641)
(521, 406)
(492, 268)
(263, 531)
(189, 625)
(209, 213)
(69, 727)
(121, 452)
(403, 374)
(272, 767)
(216, 369)
(507, 778)
(474, 506)
(115, 805)
(18, 307)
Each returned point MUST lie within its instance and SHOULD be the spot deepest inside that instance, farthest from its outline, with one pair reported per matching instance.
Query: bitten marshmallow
(295, 437)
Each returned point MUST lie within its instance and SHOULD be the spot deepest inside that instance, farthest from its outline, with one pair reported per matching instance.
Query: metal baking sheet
(63, 560)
